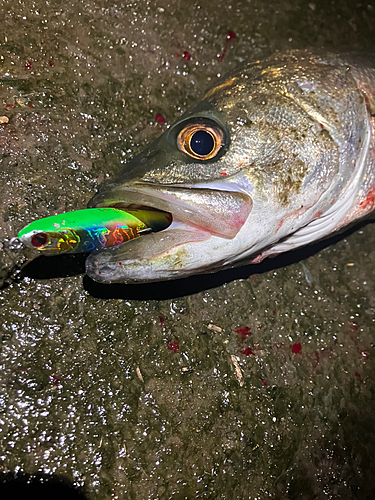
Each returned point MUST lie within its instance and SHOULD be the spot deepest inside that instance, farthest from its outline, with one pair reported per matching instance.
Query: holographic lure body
(90, 229)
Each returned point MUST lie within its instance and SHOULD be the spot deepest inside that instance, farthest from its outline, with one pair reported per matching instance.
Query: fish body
(278, 154)
(89, 229)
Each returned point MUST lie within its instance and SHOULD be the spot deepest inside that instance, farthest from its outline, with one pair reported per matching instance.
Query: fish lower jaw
(153, 257)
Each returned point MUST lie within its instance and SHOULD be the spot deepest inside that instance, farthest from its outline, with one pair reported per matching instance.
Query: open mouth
(213, 211)
(167, 229)
(155, 220)
(188, 216)
(165, 234)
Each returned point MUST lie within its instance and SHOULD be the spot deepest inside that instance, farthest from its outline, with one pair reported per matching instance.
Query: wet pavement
(249, 384)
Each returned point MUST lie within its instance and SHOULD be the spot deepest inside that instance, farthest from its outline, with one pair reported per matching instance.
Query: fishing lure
(90, 229)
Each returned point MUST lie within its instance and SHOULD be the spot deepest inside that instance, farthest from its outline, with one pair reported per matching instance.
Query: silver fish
(278, 154)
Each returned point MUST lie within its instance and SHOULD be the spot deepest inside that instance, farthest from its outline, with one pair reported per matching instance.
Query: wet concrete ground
(249, 384)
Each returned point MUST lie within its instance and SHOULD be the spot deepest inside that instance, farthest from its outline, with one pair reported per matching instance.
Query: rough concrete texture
(251, 384)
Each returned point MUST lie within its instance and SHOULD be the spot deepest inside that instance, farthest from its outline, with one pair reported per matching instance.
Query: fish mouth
(216, 211)
(197, 214)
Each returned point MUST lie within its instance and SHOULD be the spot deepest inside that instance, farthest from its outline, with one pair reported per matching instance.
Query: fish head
(243, 169)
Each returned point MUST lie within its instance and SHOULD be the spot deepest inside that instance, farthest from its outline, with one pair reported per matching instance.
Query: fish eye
(200, 141)
(39, 240)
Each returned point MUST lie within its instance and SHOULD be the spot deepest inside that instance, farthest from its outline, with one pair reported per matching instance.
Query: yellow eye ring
(200, 141)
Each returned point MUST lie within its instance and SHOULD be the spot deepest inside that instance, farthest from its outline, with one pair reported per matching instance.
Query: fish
(86, 230)
(278, 154)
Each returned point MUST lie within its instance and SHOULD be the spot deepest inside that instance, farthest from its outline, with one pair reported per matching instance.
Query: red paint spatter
(221, 56)
(55, 381)
(260, 327)
(266, 384)
(230, 36)
(30, 105)
(29, 65)
(369, 202)
(357, 375)
(223, 173)
(159, 118)
(173, 346)
(296, 348)
(186, 55)
(247, 351)
(243, 331)
(12, 106)
(51, 63)
(161, 319)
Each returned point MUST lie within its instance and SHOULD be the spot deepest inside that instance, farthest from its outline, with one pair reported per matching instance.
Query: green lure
(90, 229)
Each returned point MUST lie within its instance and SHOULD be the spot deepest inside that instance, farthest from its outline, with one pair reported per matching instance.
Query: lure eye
(39, 240)
(200, 141)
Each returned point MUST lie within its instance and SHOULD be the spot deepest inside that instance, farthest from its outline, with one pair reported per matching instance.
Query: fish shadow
(40, 486)
(58, 266)
(72, 265)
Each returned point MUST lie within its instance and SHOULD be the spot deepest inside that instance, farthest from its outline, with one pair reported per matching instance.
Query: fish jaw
(174, 253)
(177, 252)
(204, 221)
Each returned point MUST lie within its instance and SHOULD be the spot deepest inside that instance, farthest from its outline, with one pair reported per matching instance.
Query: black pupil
(202, 143)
